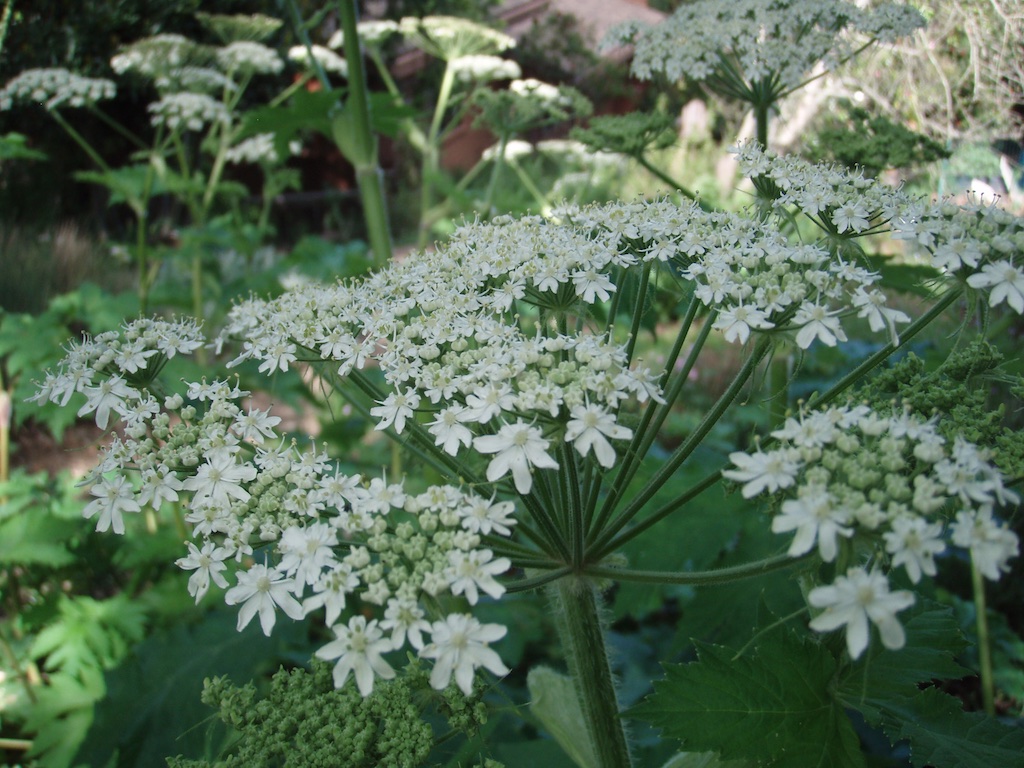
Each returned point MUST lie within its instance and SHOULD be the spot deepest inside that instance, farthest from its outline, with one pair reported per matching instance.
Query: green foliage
(634, 134)
(773, 707)
(873, 142)
(150, 709)
(305, 721)
(30, 344)
(13, 147)
(89, 633)
(942, 734)
(784, 703)
(39, 519)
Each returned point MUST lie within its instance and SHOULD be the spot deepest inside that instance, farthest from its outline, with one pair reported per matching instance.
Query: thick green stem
(363, 142)
(984, 640)
(579, 623)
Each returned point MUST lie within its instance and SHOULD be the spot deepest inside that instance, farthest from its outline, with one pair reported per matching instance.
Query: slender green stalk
(695, 578)
(984, 640)
(497, 164)
(531, 583)
(579, 622)
(880, 356)
(80, 141)
(5, 21)
(682, 188)
(680, 454)
(432, 150)
(16, 745)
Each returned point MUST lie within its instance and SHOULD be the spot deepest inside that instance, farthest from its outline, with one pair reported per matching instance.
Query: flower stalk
(580, 626)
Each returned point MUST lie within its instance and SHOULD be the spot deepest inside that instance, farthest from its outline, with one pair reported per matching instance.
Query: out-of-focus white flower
(857, 600)
(325, 57)
(187, 111)
(460, 645)
(55, 88)
(358, 648)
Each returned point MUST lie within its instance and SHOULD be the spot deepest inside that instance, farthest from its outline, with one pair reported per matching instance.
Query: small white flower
(519, 448)
(589, 428)
(208, 563)
(473, 570)
(358, 649)
(814, 516)
(113, 496)
(218, 479)
(395, 409)
(763, 471)
(448, 430)
(913, 542)
(109, 395)
(1006, 281)
(737, 322)
(856, 601)
(484, 517)
(992, 545)
(817, 323)
(262, 590)
(460, 644)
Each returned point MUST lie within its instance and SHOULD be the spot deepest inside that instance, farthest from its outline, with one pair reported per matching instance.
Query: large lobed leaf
(774, 707)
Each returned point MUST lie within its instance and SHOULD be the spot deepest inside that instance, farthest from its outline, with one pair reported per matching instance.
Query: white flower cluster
(513, 150)
(840, 201)
(54, 88)
(451, 37)
(246, 57)
(326, 538)
(752, 275)
(257, 149)
(325, 57)
(155, 55)
(194, 79)
(372, 32)
(977, 242)
(484, 68)
(459, 368)
(781, 40)
(187, 111)
(855, 481)
(545, 93)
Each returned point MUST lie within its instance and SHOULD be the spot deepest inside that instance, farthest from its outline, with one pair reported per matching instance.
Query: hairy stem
(579, 622)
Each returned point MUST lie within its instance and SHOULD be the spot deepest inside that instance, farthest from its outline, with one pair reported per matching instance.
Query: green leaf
(906, 278)
(61, 716)
(13, 147)
(35, 538)
(774, 707)
(933, 642)
(152, 708)
(553, 701)
(89, 634)
(941, 734)
(305, 111)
